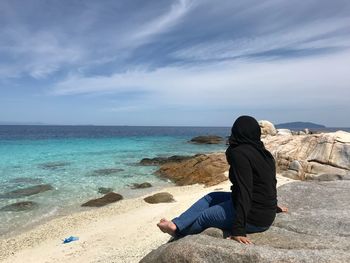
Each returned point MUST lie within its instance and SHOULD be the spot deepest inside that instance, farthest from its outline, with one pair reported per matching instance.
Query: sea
(77, 160)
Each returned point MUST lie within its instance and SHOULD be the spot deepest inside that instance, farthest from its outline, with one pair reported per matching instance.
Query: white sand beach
(121, 232)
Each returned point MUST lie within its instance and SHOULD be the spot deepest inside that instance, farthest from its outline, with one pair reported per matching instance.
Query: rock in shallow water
(210, 139)
(163, 160)
(163, 197)
(104, 190)
(19, 206)
(106, 171)
(36, 189)
(105, 200)
(53, 165)
(141, 186)
(316, 229)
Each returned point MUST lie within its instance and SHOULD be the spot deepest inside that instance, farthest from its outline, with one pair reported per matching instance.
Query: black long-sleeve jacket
(253, 187)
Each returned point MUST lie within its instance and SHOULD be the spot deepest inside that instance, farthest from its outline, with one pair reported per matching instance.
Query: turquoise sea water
(67, 158)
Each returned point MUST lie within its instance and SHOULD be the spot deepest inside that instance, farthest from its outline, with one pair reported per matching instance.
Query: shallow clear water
(67, 158)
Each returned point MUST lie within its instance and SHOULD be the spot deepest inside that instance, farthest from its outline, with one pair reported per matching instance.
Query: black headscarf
(246, 130)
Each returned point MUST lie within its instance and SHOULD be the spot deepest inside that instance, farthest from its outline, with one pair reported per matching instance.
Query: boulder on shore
(163, 197)
(205, 169)
(308, 156)
(295, 237)
(209, 139)
(105, 200)
(267, 128)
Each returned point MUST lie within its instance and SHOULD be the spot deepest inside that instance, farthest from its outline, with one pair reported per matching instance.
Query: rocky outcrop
(267, 128)
(209, 139)
(309, 156)
(105, 200)
(316, 229)
(205, 169)
(163, 160)
(163, 197)
(32, 190)
(19, 206)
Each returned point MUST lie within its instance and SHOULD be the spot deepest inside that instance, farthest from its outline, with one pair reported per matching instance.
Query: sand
(121, 232)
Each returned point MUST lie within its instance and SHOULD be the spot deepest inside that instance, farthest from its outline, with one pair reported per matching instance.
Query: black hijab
(246, 130)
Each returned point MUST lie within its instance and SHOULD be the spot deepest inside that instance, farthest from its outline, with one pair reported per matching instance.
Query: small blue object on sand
(70, 239)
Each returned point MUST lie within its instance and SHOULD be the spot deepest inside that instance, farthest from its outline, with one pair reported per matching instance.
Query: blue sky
(179, 62)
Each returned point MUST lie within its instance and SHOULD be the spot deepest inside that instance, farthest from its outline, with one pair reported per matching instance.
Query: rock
(284, 132)
(295, 237)
(19, 206)
(205, 169)
(104, 190)
(329, 177)
(105, 200)
(142, 185)
(267, 128)
(106, 171)
(163, 197)
(53, 165)
(27, 191)
(163, 160)
(312, 154)
(295, 165)
(209, 139)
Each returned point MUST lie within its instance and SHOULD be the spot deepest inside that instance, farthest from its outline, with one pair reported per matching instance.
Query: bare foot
(282, 209)
(167, 226)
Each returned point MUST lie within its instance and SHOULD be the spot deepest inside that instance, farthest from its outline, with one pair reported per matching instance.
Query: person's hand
(241, 239)
(282, 209)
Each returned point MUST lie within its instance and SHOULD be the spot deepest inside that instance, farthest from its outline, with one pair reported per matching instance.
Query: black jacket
(253, 178)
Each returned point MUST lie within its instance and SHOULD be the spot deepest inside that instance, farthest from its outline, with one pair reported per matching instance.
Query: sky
(174, 62)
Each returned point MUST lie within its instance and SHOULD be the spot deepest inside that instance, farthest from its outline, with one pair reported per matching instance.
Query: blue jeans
(213, 210)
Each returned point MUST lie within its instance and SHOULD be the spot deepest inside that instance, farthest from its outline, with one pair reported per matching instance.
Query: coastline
(121, 232)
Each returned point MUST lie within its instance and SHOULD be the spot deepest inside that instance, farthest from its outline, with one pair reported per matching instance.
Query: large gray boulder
(316, 229)
(308, 156)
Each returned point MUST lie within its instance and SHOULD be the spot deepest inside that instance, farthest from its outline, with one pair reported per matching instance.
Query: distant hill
(299, 125)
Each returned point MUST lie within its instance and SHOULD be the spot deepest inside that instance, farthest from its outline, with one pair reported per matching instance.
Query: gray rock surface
(315, 230)
(311, 155)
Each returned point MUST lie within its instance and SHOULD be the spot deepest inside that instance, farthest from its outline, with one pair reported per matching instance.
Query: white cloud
(316, 34)
(163, 22)
(287, 83)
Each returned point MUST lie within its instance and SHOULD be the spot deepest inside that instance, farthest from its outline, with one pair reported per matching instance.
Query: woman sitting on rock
(251, 206)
